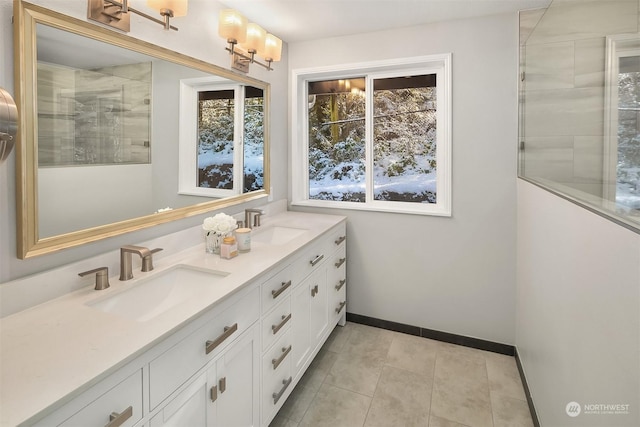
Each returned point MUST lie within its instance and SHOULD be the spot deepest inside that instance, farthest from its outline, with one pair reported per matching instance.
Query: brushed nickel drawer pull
(214, 393)
(117, 419)
(340, 262)
(222, 384)
(276, 328)
(278, 395)
(228, 331)
(340, 240)
(278, 361)
(281, 289)
(316, 260)
(340, 284)
(341, 306)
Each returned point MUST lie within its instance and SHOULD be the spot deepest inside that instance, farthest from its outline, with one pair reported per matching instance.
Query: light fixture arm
(98, 11)
(166, 14)
(249, 59)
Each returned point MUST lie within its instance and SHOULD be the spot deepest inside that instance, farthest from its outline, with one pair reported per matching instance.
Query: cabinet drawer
(310, 259)
(123, 401)
(276, 323)
(277, 288)
(338, 237)
(171, 369)
(319, 251)
(276, 372)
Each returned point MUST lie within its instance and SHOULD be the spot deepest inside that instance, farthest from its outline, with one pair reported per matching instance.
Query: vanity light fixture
(252, 38)
(116, 14)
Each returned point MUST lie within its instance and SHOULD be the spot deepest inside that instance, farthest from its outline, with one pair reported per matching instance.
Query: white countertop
(54, 351)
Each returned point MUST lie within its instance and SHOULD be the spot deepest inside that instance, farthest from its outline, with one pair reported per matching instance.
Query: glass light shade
(255, 38)
(178, 7)
(272, 48)
(232, 25)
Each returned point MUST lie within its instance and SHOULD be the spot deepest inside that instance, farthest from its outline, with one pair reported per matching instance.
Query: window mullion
(238, 141)
(305, 140)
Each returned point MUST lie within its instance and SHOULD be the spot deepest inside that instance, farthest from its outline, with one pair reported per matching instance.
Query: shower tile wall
(564, 87)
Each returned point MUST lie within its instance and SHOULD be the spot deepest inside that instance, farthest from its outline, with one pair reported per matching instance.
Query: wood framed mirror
(99, 133)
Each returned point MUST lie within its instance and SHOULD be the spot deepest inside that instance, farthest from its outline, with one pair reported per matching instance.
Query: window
(374, 137)
(216, 120)
(221, 138)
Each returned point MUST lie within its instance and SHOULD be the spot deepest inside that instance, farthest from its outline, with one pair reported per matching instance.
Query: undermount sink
(277, 235)
(159, 293)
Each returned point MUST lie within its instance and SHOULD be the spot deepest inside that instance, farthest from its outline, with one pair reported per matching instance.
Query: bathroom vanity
(198, 341)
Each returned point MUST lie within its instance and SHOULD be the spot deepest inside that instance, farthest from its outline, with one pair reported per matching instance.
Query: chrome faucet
(248, 213)
(126, 272)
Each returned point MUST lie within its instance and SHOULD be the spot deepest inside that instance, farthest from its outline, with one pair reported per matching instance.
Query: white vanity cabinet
(309, 281)
(314, 301)
(232, 364)
(225, 394)
(206, 374)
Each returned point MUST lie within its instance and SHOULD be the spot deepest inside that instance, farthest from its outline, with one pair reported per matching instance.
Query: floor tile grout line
(486, 371)
(378, 382)
(433, 385)
(315, 394)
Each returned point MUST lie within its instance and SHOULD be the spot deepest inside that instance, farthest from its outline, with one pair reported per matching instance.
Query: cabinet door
(236, 376)
(225, 394)
(189, 408)
(318, 312)
(301, 340)
(175, 366)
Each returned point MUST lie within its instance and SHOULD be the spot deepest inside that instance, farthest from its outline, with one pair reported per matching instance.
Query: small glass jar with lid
(228, 248)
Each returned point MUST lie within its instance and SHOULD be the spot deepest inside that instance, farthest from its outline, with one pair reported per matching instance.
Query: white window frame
(440, 65)
(617, 46)
(188, 137)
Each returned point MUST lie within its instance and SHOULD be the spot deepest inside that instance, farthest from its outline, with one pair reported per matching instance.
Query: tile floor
(370, 377)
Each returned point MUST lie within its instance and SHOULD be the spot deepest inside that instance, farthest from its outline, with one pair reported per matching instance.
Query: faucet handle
(147, 261)
(102, 277)
(256, 218)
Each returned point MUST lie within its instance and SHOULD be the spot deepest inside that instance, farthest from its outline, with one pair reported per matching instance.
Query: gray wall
(450, 274)
(197, 37)
(578, 323)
